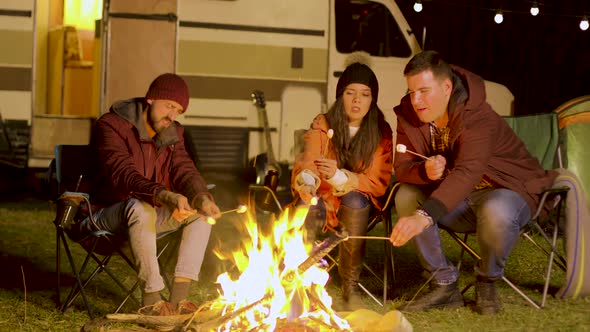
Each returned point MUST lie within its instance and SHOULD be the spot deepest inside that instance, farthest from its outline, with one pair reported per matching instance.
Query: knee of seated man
(505, 207)
(409, 196)
(138, 211)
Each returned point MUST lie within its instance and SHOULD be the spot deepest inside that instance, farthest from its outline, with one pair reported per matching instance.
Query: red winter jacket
(481, 143)
(131, 164)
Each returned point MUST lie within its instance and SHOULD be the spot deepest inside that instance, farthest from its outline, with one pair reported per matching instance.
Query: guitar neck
(270, 151)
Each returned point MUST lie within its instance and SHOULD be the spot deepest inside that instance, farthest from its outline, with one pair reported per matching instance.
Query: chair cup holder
(67, 208)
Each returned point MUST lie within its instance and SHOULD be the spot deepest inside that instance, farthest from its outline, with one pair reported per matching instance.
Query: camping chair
(378, 216)
(540, 135)
(72, 165)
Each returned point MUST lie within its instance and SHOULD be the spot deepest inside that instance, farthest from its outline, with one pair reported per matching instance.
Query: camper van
(56, 78)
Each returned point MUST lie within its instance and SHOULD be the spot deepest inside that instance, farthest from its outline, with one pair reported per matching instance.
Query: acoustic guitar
(268, 170)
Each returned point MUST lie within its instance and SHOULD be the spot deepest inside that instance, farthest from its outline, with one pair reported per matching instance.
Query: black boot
(351, 254)
(437, 297)
(487, 301)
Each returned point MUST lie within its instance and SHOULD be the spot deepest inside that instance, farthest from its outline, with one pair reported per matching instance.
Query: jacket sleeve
(186, 179)
(375, 179)
(118, 167)
(314, 141)
(472, 151)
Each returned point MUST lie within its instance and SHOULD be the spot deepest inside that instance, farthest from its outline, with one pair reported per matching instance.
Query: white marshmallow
(330, 133)
(400, 148)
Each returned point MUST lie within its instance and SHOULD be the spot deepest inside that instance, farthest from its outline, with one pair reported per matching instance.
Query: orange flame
(263, 263)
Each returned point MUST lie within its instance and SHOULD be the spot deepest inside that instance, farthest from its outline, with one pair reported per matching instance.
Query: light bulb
(584, 24)
(535, 9)
(418, 6)
(499, 18)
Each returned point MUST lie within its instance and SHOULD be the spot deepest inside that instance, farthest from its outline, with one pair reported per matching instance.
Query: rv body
(292, 51)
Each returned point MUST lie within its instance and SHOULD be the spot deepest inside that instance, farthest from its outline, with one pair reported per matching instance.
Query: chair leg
(58, 265)
(78, 284)
(468, 249)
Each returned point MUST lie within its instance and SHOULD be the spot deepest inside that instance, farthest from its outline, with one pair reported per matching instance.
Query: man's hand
(408, 227)
(177, 203)
(326, 167)
(435, 167)
(209, 208)
(306, 193)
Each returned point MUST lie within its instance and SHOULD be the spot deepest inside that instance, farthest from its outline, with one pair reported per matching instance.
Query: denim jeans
(144, 223)
(495, 215)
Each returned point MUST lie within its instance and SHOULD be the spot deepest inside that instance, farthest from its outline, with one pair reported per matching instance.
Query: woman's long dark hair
(355, 154)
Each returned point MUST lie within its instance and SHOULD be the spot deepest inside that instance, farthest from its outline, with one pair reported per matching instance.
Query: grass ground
(27, 288)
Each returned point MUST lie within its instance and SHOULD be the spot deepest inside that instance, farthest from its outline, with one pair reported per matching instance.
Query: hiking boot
(487, 301)
(437, 297)
(186, 307)
(160, 308)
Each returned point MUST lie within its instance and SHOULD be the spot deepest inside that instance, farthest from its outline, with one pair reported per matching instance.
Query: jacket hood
(474, 87)
(132, 111)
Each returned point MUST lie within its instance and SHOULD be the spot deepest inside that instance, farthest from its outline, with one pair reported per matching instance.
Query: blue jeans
(144, 223)
(495, 215)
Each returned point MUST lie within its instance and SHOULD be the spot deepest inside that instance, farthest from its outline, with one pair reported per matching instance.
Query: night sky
(543, 60)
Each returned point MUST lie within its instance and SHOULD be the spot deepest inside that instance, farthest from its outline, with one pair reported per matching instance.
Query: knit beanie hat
(358, 73)
(169, 86)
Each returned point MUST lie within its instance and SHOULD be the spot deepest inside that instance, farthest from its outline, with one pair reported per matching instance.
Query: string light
(535, 9)
(499, 18)
(499, 13)
(418, 6)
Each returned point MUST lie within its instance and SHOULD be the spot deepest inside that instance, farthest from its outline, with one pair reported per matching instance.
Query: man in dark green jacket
(476, 176)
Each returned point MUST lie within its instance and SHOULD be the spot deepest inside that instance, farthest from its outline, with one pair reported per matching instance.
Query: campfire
(276, 283)
(280, 284)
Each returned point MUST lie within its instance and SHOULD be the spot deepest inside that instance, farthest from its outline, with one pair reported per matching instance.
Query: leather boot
(437, 297)
(351, 254)
(487, 301)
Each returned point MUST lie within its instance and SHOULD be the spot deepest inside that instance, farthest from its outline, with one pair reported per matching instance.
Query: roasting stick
(239, 209)
(368, 237)
(402, 149)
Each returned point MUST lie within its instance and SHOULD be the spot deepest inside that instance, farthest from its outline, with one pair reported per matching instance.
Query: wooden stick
(419, 155)
(369, 237)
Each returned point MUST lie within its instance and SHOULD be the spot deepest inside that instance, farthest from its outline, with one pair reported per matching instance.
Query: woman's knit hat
(358, 73)
(169, 86)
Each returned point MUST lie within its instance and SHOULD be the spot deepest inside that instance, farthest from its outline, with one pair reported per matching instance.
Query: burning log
(318, 252)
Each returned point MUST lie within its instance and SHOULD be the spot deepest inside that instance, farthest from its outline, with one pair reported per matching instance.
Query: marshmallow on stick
(403, 149)
(330, 135)
(240, 209)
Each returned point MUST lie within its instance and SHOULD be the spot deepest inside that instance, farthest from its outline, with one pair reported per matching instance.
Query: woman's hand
(326, 167)
(307, 193)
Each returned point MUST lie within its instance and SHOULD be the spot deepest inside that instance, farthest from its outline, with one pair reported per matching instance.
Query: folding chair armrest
(557, 191)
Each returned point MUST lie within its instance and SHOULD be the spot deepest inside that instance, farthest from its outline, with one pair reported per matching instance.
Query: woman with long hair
(346, 164)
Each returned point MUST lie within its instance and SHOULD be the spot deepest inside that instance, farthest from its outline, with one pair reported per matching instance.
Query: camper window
(368, 26)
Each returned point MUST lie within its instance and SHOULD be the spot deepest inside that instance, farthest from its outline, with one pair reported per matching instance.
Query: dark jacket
(131, 164)
(481, 143)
